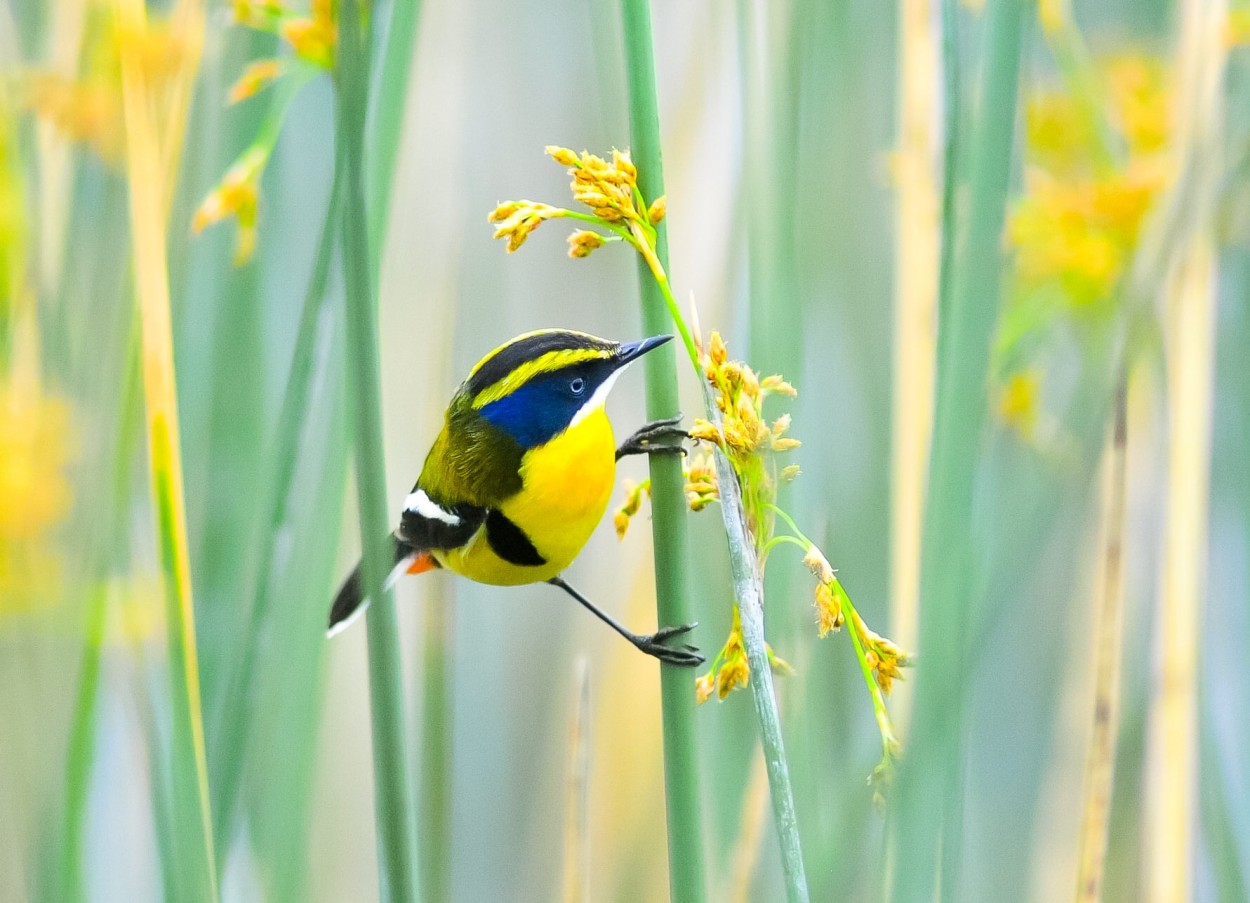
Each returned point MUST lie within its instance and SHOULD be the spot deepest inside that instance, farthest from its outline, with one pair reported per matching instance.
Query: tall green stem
(687, 873)
(237, 716)
(394, 800)
(930, 785)
(747, 579)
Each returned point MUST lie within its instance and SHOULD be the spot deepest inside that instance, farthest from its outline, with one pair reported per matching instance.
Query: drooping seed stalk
(394, 798)
(687, 872)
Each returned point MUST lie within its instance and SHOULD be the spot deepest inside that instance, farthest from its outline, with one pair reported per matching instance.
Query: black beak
(632, 350)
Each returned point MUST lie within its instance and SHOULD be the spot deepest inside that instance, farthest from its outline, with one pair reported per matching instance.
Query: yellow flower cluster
(34, 456)
(1079, 220)
(1019, 401)
(829, 592)
(86, 111)
(517, 219)
(884, 657)
(611, 192)
(236, 195)
(747, 438)
(700, 474)
(313, 37)
(730, 669)
(633, 501)
(258, 76)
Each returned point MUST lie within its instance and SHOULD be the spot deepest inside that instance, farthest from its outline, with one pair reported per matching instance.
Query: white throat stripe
(420, 503)
(597, 398)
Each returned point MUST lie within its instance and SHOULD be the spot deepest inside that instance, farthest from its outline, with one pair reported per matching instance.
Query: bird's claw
(684, 656)
(655, 438)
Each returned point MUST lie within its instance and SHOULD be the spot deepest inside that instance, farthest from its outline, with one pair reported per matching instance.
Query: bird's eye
(577, 386)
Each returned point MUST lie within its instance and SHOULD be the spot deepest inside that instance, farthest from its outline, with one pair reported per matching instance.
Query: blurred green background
(781, 128)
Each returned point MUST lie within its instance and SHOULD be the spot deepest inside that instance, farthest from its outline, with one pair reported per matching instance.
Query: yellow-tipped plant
(154, 111)
(744, 476)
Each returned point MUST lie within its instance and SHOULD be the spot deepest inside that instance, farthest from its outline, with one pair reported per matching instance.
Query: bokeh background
(804, 202)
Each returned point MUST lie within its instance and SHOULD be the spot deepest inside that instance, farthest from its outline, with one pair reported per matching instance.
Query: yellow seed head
(704, 431)
(785, 444)
(655, 213)
(781, 424)
(703, 688)
(312, 39)
(562, 155)
(818, 565)
(777, 386)
(789, 473)
(258, 76)
(718, 353)
(582, 242)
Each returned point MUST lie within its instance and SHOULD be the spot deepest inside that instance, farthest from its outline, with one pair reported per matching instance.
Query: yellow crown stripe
(522, 337)
(546, 363)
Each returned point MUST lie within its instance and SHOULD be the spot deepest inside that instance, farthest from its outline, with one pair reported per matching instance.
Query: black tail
(347, 600)
(350, 598)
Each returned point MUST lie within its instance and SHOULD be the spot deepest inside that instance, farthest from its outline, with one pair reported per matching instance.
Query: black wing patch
(422, 532)
(509, 541)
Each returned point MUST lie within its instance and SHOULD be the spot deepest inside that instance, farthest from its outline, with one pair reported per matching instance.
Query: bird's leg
(654, 438)
(684, 656)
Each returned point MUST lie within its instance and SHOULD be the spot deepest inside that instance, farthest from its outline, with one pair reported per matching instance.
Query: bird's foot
(684, 656)
(657, 437)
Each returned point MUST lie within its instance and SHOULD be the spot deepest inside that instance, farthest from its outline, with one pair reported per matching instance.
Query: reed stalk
(916, 273)
(238, 714)
(1109, 641)
(576, 883)
(930, 781)
(747, 578)
(149, 166)
(687, 872)
(1173, 728)
(394, 799)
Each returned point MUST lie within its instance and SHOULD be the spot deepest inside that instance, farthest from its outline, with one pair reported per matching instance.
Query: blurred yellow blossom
(236, 195)
(1018, 402)
(34, 457)
(258, 76)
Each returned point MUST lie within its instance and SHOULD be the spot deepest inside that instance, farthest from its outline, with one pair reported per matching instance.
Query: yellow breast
(566, 485)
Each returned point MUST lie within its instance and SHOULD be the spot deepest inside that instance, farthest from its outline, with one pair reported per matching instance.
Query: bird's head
(541, 383)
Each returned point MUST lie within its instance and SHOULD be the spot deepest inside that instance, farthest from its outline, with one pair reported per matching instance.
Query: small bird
(521, 474)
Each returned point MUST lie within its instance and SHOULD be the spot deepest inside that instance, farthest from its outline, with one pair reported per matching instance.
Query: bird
(521, 474)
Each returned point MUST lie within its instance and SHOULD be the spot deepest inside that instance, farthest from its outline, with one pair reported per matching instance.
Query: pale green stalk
(687, 871)
(930, 781)
(394, 799)
(238, 713)
(747, 579)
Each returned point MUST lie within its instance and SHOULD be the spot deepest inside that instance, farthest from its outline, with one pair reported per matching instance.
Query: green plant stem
(687, 871)
(394, 800)
(386, 126)
(436, 748)
(747, 578)
(82, 729)
(237, 716)
(930, 785)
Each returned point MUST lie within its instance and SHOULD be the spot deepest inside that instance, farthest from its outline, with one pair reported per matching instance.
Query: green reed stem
(387, 124)
(747, 579)
(436, 748)
(394, 799)
(687, 871)
(930, 785)
(238, 715)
